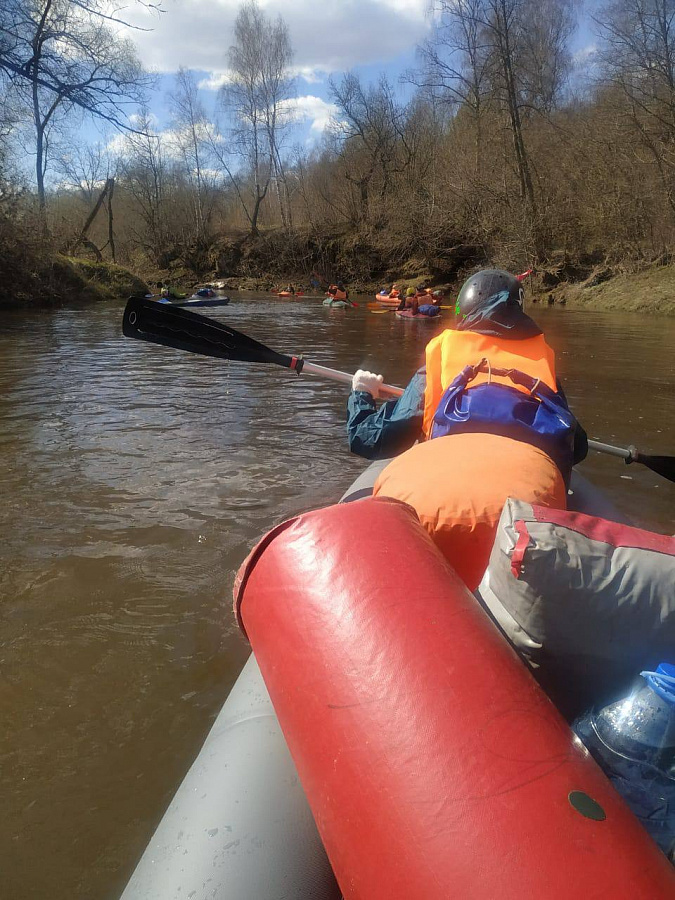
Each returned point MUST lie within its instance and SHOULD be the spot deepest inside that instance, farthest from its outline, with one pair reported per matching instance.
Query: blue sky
(329, 37)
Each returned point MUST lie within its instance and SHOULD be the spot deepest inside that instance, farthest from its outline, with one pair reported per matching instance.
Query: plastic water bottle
(633, 741)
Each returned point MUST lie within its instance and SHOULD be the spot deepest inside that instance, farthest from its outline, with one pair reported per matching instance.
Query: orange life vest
(449, 352)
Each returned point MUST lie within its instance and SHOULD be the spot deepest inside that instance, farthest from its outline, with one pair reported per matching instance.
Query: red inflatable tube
(434, 765)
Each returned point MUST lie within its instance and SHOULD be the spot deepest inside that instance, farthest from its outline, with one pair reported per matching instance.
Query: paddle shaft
(345, 377)
(628, 454)
(661, 465)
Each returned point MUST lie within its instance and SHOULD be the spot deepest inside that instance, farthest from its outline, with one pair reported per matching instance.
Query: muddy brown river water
(134, 479)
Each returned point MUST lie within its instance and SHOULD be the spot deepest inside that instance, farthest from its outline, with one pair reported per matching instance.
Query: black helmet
(478, 289)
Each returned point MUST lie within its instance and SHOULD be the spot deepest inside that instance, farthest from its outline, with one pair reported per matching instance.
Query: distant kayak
(204, 301)
(337, 304)
(421, 316)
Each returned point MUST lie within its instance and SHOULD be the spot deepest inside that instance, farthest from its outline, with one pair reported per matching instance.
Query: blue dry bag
(540, 417)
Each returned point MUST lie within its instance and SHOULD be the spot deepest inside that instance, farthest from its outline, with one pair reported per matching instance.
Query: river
(135, 479)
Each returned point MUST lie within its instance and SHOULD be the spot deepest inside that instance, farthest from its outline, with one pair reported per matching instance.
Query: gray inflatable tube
(239, 827)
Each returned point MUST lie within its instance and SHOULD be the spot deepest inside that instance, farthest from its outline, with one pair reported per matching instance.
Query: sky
(329, 37)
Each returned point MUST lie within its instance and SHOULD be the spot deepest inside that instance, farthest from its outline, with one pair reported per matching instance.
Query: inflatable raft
(432, 765)
(420, 317)
(388, 301)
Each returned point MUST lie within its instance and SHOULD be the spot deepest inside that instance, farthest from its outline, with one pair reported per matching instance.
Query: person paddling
(409, 301)
(339, 292)
(491, 417)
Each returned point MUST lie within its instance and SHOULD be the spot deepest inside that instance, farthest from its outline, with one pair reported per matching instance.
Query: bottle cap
(662, 681)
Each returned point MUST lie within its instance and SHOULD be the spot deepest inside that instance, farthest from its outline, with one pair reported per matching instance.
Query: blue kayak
(204, 301)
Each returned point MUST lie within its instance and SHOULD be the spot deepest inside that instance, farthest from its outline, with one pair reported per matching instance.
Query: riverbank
(650, 291)
(272, 260)
(367, 263)
(69, 281)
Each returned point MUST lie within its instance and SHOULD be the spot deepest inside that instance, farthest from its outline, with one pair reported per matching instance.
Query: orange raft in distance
(390, 300)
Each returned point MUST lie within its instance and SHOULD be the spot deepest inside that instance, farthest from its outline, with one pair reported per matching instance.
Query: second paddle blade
(171, 326)
(662, 465)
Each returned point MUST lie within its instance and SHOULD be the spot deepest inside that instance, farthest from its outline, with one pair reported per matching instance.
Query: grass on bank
(651, 290)
(78, 280)
(69, 281)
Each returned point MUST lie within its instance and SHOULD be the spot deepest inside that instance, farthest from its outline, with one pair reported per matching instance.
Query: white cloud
(411, 8)
(218, 77)
(135, 119)
(331, 36)
(215, 81)
(172, 139)
(584, 54)
(118, 144)
(311, 109)
(69, 186)
(311, 74)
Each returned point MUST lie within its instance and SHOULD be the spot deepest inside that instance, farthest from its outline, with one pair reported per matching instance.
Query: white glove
(367, 381)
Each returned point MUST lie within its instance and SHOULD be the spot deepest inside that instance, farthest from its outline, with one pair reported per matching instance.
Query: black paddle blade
(662, 465)
(172, 326)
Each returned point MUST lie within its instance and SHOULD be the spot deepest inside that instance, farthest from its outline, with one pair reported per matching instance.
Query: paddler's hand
(368, 382)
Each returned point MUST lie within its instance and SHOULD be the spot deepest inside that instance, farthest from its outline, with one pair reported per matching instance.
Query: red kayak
(434, 764)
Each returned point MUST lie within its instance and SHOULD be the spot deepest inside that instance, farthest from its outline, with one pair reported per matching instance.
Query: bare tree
(512, 53)
(144, 172)
(255, 97)
(65, 54)
(88, 172)
(370, 124)
(638, 58)
(456, 62)
(85, 168)
(545, 61)
(192, 135)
